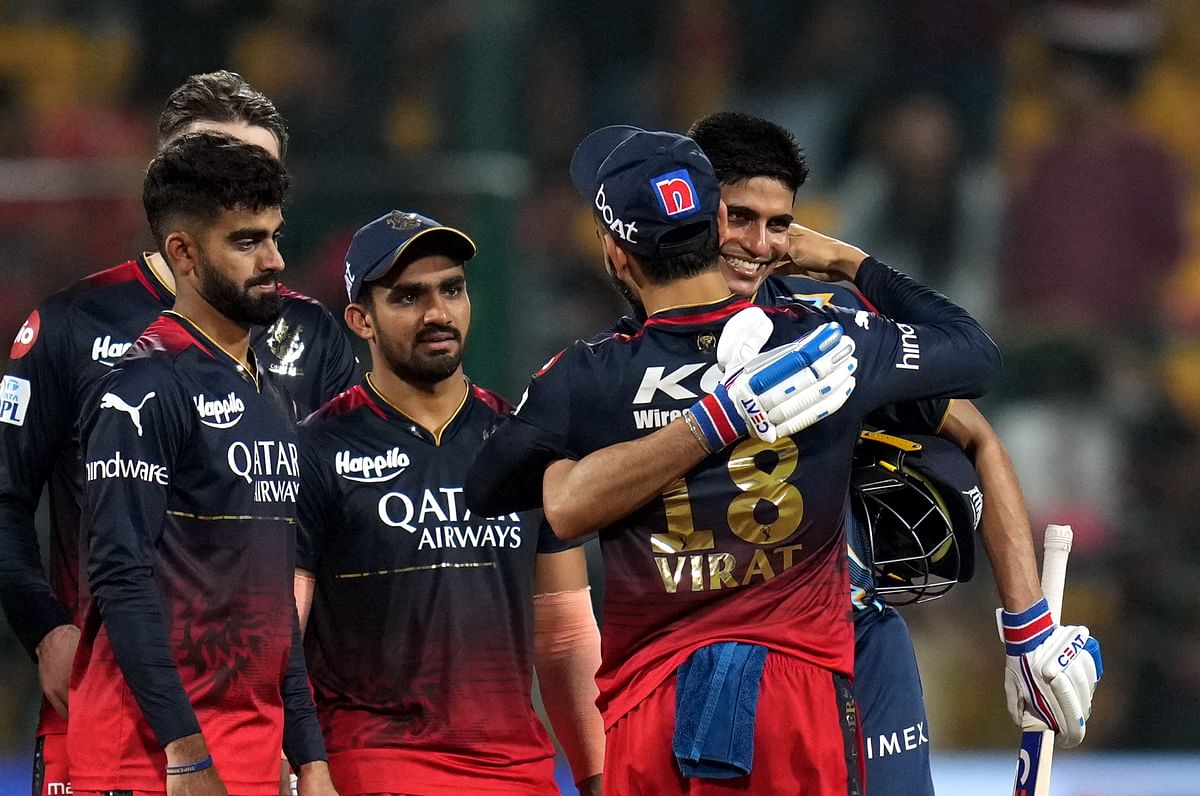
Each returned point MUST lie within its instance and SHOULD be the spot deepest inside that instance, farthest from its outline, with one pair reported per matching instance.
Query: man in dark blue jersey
(189, 676)
(65, 346)
(724, 553)
(761, 168)
(427, 621)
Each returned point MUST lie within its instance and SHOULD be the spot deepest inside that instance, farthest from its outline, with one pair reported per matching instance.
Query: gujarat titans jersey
(419, 642)
(192, 471)
(921, 417)
(65, 347)
(750, 545)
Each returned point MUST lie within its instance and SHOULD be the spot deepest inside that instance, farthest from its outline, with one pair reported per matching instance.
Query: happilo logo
(370, 469)
(219, 413)
(626, 231)
(106, 351)
(675, 193)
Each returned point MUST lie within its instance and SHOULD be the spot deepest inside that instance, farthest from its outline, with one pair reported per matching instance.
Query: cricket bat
(1037, 746)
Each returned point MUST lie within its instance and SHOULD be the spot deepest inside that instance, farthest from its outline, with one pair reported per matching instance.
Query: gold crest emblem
(706, 342)
(285, 343)
(403, 222)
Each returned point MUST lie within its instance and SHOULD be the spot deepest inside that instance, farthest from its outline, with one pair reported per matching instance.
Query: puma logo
(110, 401)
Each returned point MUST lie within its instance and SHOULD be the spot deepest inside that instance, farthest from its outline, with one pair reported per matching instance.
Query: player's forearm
(25, 593)
(302, 741)
(1005, 529)
(586, 495)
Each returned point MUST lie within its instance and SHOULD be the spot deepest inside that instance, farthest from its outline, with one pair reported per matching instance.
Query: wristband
(1023, 632)
(718, 420)
(189, 768)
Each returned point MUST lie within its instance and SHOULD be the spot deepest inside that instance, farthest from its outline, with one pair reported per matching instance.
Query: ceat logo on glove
(755, 414)
(1068, 654)
(675, 192)
(26, 336)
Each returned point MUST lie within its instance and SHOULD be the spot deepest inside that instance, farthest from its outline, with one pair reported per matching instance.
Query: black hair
(221, 96)
(198, 176)
(741, 146)
(661, 270)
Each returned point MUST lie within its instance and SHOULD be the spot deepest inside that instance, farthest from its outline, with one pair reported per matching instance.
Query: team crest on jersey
(706, 342)
(403, 222)
(14, 400)
(285, 343)
(219, 412)
(27, 335)
(675, 193)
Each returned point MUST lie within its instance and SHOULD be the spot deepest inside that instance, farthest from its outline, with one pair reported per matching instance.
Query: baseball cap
(376, 247)
(655, 191)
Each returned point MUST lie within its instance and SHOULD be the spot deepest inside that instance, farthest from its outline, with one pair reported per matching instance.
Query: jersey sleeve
(312, 505)
(302, 741)
(133, 436)
(506, 474)
(945, 355)
(911, 417)
(339, 366)
(36, 416)
(547, 541)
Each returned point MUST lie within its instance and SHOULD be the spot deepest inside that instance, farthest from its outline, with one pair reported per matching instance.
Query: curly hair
(198, 176)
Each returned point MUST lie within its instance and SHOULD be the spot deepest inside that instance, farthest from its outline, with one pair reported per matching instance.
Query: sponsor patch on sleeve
(26, 336)
(14, 400)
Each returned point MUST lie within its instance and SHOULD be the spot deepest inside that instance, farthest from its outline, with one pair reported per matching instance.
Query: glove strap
(1023, 632)
(718, 419)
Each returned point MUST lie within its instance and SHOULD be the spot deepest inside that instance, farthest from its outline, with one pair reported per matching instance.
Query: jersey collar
(696, 315)
(153, 282)
(394, 413)
(217, 351)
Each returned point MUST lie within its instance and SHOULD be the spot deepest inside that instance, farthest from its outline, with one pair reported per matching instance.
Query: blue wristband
(190, 768)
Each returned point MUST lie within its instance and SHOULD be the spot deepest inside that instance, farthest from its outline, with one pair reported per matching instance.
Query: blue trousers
(891, 705)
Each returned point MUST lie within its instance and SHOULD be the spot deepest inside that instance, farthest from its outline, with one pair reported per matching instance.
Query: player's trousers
(51, 776)
(891, 702)
(805, 740)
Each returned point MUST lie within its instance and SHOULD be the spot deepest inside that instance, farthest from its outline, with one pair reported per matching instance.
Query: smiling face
(419, 315)
(760, 210)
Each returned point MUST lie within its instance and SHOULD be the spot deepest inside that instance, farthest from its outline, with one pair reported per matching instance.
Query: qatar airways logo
(444, 521)
(271, 467)
(370, 469)
(219, 413)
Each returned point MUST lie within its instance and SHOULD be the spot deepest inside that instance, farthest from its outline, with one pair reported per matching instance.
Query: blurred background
(1036, 161)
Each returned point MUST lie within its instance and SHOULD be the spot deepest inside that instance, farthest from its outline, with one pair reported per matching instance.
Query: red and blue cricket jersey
(749, 546)
(192, 469)
(65, 347)
(420, 639)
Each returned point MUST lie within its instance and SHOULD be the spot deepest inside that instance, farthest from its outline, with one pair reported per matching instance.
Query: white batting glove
(781, 391)
(742, 339)
(1050, 673)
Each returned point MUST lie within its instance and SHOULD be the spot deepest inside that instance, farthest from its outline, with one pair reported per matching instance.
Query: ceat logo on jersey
(626, 231)
(107, 352)
(14, 400)
(26, 336)
(111, 401)
(219, 413)
(675, 193)
(370, 469)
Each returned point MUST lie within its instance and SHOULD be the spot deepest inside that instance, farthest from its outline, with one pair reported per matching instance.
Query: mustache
(433, 330)
(259, 281)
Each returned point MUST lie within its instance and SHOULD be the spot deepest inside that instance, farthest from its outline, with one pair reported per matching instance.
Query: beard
(635, 303)
(236, 302)
(417, 367)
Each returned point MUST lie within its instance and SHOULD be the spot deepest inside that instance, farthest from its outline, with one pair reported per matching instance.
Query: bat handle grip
(1054, 566)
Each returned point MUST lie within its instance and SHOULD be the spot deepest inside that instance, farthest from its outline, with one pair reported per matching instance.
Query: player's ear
(181, 252)
(616, 255)
(360, 321)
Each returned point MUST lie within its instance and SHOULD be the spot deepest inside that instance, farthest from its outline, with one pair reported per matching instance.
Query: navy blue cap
(376, 247)
(655, 191)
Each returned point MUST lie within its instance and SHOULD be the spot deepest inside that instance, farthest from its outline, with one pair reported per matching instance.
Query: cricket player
(421, 636)
(64, 348)
(189, 675)
(761, 168)
(724, 547)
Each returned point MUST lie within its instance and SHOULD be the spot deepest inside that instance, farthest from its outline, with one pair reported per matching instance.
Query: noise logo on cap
(675, 193)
